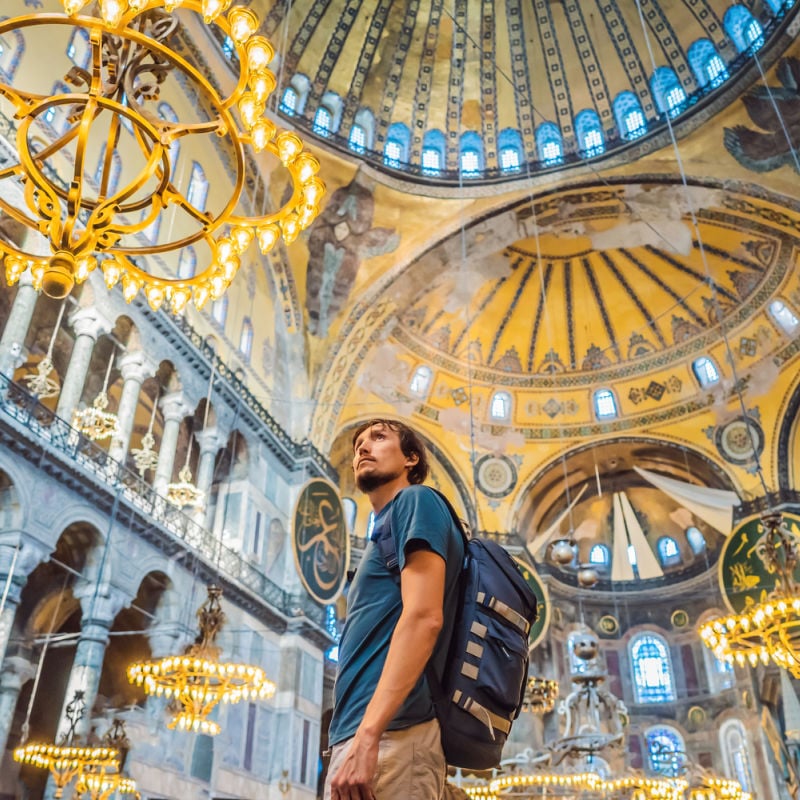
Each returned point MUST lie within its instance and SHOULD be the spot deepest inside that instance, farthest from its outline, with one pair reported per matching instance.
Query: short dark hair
(410, 443)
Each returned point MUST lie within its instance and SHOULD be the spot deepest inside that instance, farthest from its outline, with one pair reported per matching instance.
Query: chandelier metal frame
(85, 225)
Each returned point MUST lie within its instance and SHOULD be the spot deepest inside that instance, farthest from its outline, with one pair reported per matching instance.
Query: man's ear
(412, 460)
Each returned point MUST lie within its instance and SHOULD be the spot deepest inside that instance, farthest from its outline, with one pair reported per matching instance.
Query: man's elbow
(427, 623)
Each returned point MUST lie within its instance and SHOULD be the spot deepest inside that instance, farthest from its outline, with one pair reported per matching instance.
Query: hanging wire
(10, 577)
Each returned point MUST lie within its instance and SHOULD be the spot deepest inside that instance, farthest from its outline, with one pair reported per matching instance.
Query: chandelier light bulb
(112, 11)
(137, 5)
(263, 84)
(259, 53)
(250, 109)
(213, 8)
(244, 24)
(73, 6)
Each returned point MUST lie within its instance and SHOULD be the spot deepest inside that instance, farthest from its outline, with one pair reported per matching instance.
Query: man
(384, 733)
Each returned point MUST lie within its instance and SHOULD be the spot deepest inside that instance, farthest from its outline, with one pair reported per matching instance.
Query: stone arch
(11, 508)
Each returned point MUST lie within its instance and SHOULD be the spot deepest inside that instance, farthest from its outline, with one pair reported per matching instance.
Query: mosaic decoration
(740, 441)
(655, 390)
(321, 544)
(608, 625)
(495, 476)
(679, 618)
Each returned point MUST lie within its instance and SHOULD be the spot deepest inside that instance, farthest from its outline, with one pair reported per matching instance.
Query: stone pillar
(135, 367)
(174, 410)
(99, 612)
(16, 671)
(88, 324)
(12, 342)
(209, 441)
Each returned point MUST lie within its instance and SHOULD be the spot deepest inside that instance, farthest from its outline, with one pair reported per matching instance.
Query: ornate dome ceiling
(489, 91)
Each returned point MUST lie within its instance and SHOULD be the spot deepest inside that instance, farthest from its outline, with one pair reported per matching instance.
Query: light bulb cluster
(53, 756)
(241, 119)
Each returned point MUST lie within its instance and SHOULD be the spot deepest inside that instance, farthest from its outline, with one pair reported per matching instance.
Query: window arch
(357, 138)
(187, 263)
(219, 310)
(629, 116)
(669, 554)
(289, 101)
(590, 133)
(733, 745)
(294, 96)
(600, 555)
(696, 540)
(323, 121)
(549, 144)
(605, 404)
(509, 148)
(197, 195)
(12, 48)
(79, 49)
(471, 154)
(708, 67)
(743, 28)
(500, 406)
(246, 338)
(667, 91)
(705, 370)
(784, 316)
(421, 380)
(433, 153)
(652, 669)
(395, 149)
(365, 121)
(666, 750)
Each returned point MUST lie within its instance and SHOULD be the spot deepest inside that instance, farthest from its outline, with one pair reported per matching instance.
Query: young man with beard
(384, 732)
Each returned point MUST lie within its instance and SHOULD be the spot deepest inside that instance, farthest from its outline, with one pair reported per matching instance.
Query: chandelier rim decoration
(768, 630)
(197, 681)
(84, 231)
(99, 782)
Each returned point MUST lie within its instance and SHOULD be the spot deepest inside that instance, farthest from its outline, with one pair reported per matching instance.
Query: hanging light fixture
(69, 760)
(145, 457)
(197, 681)
(184, 492)
(87, 219)
(40, 384)
(95, 422)
(540, 695)
(100, 781)
(769, 630)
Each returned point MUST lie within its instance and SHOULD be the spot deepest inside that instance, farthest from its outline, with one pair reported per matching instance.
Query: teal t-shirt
(374, 605)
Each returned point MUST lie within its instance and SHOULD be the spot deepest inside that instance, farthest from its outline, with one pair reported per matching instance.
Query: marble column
(16, 671)
(99, 612)
(135, 367)
(209, 441)
(174, 409)
(88, 325)
(12, 342)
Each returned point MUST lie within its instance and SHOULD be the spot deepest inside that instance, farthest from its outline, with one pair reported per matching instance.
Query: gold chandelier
(100, 781)
(768, 630)
(197, 681)
(540, 695)
(95, 422)
(84, 217)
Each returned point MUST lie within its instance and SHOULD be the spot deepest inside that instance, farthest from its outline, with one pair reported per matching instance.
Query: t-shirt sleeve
(420, 519)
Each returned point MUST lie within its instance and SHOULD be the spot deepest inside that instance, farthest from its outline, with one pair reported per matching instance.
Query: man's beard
(373, 480)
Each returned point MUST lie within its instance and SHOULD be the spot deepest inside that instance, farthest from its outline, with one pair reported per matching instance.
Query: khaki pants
(411, 764)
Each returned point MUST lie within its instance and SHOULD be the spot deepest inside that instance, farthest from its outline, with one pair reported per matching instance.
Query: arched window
(500, 407)
(549, 145)
(79, 49)
(471, 159)
(629, 115)
(509, 144)
(696, 540)
(652, 669)
(743, 28)
(667, 91)
(289, 101)
(666, 750)
(784, 317)
(12, 47)
(365, 120)
(421, 381)
(323, 120)
(600, 555)
(590, 133)
(293, 99)
(720, 673)
(433, 153)
(705, 371)
(357, 140)
(668, 551)
(350, 510)
(219, 311)
(246, 338)
(187, 263)
(198, 187)
(605, 406)
(733, 746)
(395, 150)
(708, 67)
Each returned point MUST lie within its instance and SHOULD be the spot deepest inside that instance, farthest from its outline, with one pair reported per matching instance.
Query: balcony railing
(31, 420)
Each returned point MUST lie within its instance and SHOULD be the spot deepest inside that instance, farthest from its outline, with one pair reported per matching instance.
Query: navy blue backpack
(481, 690)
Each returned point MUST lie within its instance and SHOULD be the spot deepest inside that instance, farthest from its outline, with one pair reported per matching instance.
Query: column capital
(136, 366)
(173, 406)
(29, 554)
(16, 671)
(88, 321)
(209, 440)
(102, 607)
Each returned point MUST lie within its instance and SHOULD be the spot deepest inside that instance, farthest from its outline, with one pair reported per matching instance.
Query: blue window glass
(652, 669)
(605, 406)
(431, 161)
(666, 751)
(509, 159)
(509, 144)
(392, 153)
(668, 551)
(471, 158)
(357, 140)
(79, 49)
(228, 47)
(421, 381)
(289, 101)
(589, 133)
(784, 316)
(395, 151)
(322, 121)
(549, 144)
(743, 28)
(667, 91)
(705, 371)
(629, 115)
(600, 555)
(500, 407)
(696, 540)
(709, 69)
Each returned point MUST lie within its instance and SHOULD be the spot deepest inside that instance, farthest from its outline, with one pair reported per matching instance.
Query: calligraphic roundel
(321, 542)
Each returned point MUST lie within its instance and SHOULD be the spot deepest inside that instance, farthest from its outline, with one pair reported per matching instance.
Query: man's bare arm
(422, 584)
